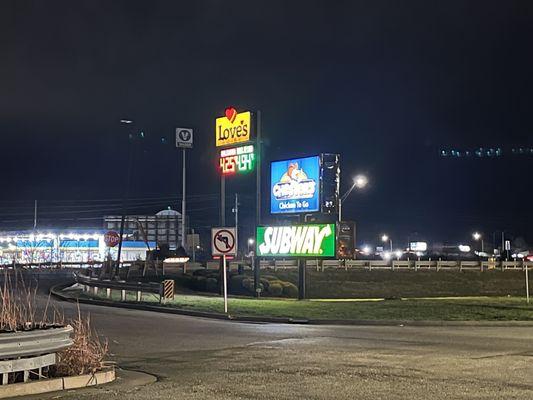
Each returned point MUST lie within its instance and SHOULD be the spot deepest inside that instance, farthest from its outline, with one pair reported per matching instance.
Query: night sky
(387, 84)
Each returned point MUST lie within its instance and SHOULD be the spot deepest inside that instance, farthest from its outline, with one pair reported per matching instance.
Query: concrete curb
(57, 384)
(56, 292)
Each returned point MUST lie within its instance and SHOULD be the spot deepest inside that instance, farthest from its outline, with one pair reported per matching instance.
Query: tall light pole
(359, 182)
(385, 238)
(125, 197)
(477, 237)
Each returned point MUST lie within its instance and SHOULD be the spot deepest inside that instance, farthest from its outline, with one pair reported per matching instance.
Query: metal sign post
(527, 285)
(184, 140)
(225, 284)
(224, 243)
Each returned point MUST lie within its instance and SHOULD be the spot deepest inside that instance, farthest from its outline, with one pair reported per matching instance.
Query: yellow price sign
(233, 127)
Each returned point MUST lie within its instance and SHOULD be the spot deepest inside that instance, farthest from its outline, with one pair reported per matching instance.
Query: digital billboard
(295, 185)
(310, 240)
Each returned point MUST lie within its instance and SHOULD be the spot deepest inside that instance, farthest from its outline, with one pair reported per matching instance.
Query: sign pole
(183, 201)
(184, 140)
(222, 223)
(527, 285)
(257, 264)
(225, 285)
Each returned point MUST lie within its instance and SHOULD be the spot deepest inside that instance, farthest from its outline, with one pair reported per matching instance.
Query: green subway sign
(311, 240)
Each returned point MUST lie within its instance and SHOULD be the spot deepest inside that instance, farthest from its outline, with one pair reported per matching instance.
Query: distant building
(164, 228)
(75, 245)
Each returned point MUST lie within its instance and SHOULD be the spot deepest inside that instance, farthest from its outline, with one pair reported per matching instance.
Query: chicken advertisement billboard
(295, 185)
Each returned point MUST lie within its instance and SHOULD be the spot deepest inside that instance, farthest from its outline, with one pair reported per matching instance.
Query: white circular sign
(224, 241)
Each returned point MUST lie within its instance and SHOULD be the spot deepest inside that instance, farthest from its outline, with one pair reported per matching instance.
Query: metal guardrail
(150, 287)
(34, 343)
(31, 351)
(393, 265)
(123, 286)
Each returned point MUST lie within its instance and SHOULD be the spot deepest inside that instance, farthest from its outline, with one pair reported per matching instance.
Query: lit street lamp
(385, 238)
(251, 242)
(477, 237)
(359, 182)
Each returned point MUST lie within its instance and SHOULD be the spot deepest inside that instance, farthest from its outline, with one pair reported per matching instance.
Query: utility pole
(125, 197)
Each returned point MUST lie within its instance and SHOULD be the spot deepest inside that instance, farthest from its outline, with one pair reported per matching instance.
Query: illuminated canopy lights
(237, 159)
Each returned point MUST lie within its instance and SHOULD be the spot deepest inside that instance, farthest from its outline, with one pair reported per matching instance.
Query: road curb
(56, 292)
(57, 384)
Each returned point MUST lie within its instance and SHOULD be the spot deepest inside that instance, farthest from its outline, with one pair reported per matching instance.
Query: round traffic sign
(111, 238)
(224, 241)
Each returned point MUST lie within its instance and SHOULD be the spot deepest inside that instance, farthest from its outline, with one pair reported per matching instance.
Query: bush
(248, 284)
(199, 283)
(211, 285)
(236, 281)
(265, 283)
(275, 289)
(290, 289)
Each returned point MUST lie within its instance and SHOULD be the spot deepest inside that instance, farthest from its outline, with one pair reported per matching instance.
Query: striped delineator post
(167, 290)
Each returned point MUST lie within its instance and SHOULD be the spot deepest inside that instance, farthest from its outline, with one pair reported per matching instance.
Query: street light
(251, 242)
(385, 238)
(477, 237)
(360, 182)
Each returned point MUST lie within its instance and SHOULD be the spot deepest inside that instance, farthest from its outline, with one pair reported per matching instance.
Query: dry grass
(19, 313)
(87, 353)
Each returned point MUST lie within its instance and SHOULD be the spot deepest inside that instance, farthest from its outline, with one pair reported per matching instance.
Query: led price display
(237, 159)
(312, 240)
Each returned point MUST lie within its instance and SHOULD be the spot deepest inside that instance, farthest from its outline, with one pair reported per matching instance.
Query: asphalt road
(209, 359)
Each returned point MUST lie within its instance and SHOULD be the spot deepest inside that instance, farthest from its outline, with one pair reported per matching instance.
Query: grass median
(434, 309)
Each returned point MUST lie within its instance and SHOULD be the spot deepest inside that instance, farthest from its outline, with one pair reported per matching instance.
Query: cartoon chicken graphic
(293, 174)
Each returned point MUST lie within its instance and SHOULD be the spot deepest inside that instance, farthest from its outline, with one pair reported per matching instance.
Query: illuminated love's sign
(312, 240)
(233, 127)
(237, 159)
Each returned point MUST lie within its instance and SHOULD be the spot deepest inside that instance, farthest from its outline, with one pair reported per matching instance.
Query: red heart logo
(231, 114)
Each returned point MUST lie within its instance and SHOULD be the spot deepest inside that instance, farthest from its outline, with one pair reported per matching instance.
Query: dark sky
(385, 83)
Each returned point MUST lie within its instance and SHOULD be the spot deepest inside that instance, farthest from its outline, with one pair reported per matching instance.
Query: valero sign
(311, 240)
(233, 127)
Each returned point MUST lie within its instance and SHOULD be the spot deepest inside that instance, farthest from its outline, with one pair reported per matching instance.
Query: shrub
(248, 284)
(290, 289)
(275, 289)
(199, 283)
(265, 283)
(211, 285)
(236, 280)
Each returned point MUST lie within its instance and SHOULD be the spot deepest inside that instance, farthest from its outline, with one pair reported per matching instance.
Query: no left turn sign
(223, 241)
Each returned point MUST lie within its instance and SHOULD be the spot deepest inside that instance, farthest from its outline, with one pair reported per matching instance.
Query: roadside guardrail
(139, 288)
(393, 265)
(31, 351)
